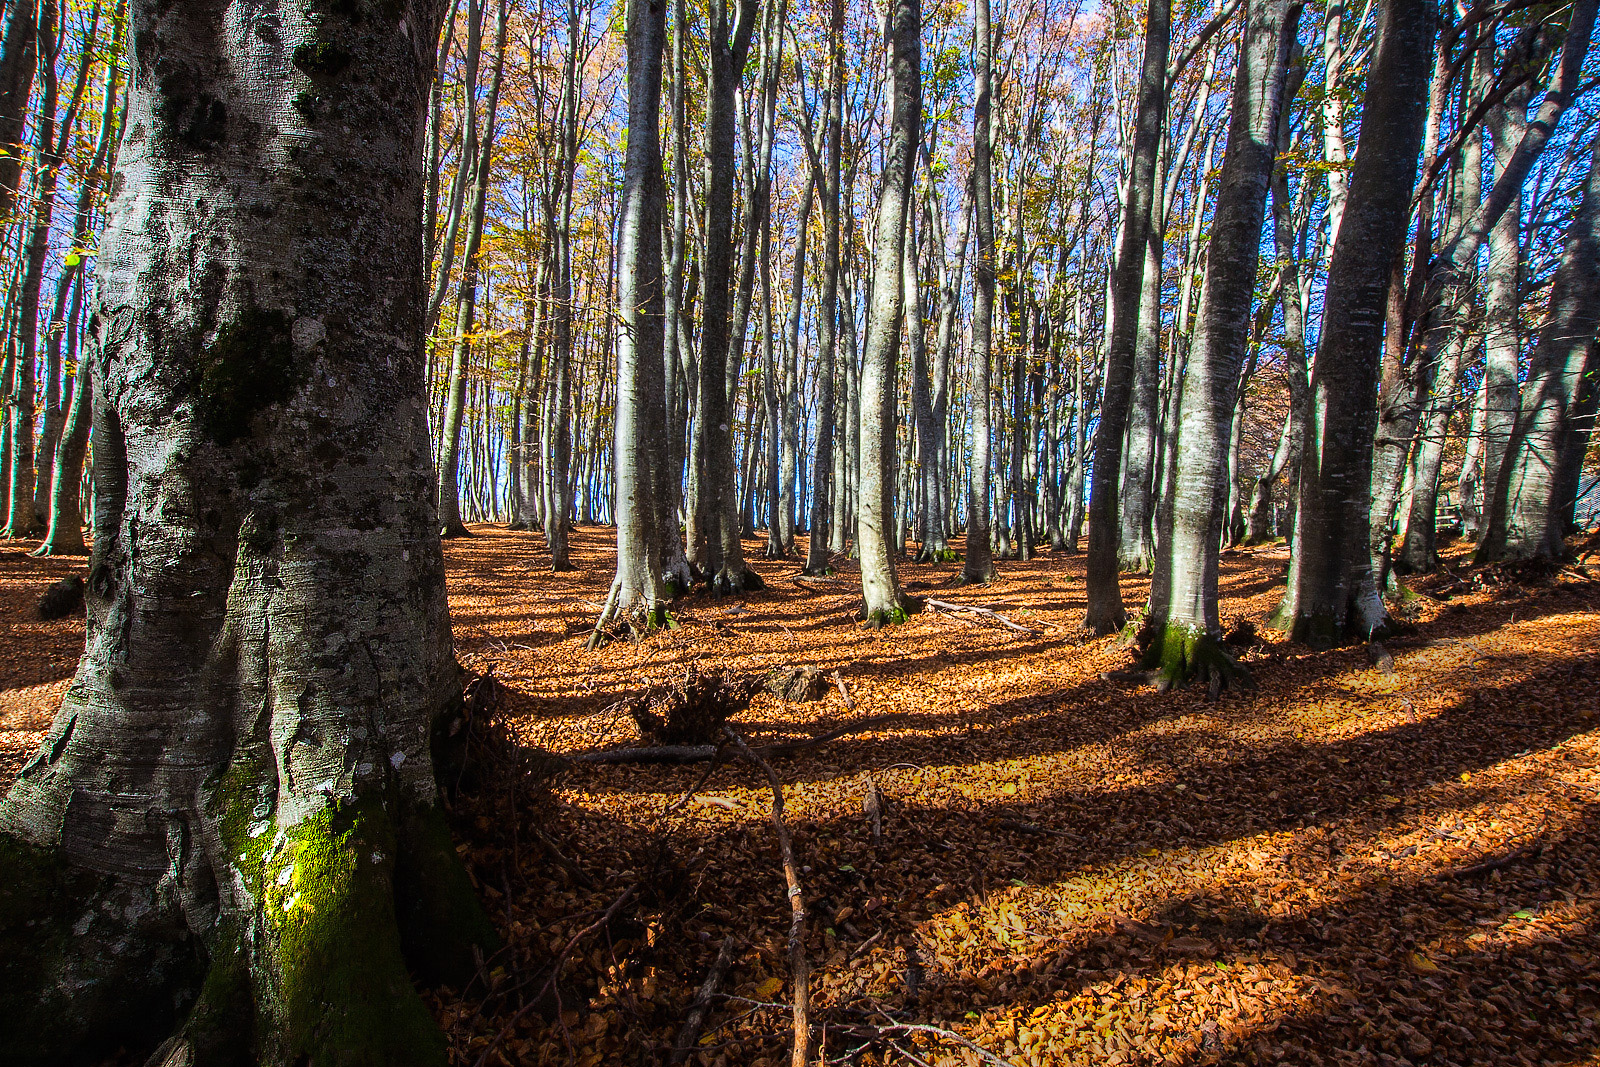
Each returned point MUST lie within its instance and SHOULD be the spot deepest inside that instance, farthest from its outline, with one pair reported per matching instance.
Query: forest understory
(1377, 856)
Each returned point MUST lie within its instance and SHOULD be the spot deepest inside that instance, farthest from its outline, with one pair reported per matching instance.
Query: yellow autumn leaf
(769, 988)
(1422, 964)
(1148, 851)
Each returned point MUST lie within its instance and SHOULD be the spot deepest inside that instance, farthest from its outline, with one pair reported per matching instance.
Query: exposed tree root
(1187, 653)
(878, 618)
(731, 581)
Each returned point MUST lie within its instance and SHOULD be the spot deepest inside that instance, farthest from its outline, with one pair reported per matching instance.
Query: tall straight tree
(729, 29)
(467, 294)
(823, 487)
(979, 565)
(1183, 630)
(1105, 612)
(232, 828)
(637, 594)
(1332, 592)
(882, 599)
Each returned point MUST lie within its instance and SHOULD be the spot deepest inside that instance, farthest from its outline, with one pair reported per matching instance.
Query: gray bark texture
(232, 827)
(1105, 613)
(641, 418)
(876, 530)
(1544, 464)
(728, 45)
(1331, 587)
(979, 565)
(1182, 626)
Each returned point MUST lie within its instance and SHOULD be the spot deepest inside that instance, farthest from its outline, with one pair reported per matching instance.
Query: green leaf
(1523, 914)
(846, 867)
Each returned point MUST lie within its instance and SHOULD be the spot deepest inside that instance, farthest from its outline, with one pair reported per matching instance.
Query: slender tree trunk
(1502, 297)
(467, 294)
(676, 574)
(823, 487)
(237, 800)
(788, 500)
(1331, 589)
(18, 60)
(1105, 611)
(979, 565)
(882, 600)
(728, 45)
(1182, 628)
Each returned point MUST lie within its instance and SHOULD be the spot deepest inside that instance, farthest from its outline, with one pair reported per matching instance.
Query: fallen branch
(700, 753)
(695, 1021)
(1490, 865)
(798, 967)
(872, 1032)
(844, 691)
(947, 608)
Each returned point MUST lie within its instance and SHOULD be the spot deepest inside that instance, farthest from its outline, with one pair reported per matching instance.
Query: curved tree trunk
(1545, 461)
(236, 801)
(1331, 586)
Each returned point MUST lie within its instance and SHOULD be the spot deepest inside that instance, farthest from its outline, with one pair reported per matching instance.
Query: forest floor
(1358, 862)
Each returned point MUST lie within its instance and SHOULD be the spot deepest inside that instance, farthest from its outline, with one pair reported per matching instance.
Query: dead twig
(844, 691)
(695, 1021)
(566, 864)
(1490, 865)
(798, 967)
(947, 608)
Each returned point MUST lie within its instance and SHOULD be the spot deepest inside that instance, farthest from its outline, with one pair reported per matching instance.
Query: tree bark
(728, 45)
(882, 600)
(236, 801)
(1105, 612)
(1183, 630)
(979, 565)
(823, 488)
(1331, 589)
(638, 594)
(1545, 461)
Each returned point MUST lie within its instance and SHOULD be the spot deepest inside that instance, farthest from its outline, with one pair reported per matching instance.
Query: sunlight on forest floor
(1353, 864)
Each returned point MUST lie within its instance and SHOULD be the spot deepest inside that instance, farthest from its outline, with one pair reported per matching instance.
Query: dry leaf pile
(1381, 856)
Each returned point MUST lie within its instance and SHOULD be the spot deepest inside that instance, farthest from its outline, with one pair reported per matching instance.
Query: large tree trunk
(979, 565)
(1544, 464)
(1182, 627)
(1105, 612)
(637, 593)
(1331, 586)
(882, 600)
(677, 379)
(236, 801)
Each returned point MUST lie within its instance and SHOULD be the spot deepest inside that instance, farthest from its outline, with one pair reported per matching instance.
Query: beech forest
(826, 533)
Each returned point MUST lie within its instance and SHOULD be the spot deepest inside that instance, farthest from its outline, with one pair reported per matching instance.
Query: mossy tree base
(306, 958)
(877, 617)
(1183, 654)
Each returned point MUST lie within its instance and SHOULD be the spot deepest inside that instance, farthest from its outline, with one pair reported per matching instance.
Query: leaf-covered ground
(1358, 862)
